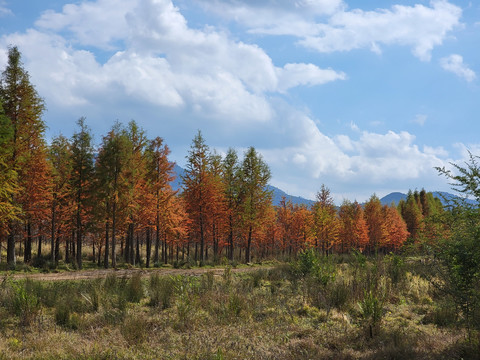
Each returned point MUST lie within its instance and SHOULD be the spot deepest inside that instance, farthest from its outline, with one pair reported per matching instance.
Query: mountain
(277, 194)
(444, 197)
(394, 197)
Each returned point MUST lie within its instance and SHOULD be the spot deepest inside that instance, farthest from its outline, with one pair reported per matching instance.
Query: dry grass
(269, 314)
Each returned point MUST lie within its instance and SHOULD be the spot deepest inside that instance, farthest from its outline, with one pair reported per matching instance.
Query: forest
(69, 204)
(113, 201)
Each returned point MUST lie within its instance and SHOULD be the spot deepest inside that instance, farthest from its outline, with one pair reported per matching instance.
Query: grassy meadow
(336, 307)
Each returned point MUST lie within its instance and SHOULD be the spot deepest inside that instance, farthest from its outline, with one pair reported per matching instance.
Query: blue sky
(364, 97)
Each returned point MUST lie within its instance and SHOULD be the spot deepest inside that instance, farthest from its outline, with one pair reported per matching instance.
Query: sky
(362, 96)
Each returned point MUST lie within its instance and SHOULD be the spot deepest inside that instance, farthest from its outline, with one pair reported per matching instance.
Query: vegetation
(349, 307)
(359, 281)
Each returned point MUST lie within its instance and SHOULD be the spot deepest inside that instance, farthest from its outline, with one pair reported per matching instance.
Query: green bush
(134, 289)
(134, 329)
(372, 311)
(22, 302)
(161, 291)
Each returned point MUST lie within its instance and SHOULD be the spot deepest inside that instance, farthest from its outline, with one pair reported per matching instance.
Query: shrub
(371, 310)
(134, 329)
(23, 303)
(161, 291)
(134, 289)
(395, 268)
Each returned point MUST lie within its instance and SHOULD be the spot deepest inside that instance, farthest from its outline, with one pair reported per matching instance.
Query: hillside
(277, 193)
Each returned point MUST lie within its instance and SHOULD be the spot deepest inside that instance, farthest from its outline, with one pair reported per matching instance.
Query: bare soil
(103, 273)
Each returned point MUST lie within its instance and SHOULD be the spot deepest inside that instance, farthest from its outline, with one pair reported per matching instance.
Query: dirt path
(102, 273)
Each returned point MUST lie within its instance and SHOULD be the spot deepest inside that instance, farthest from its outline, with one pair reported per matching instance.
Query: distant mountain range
(444, 197)
(277, 193)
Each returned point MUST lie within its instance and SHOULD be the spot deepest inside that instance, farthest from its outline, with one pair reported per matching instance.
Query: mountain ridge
(277, 194)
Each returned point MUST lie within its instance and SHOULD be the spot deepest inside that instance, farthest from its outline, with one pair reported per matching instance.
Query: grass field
(349, 307)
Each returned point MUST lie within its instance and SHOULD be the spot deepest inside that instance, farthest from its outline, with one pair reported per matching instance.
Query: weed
(134, 289)
(161, 291)
(134, 329)
(372, 311)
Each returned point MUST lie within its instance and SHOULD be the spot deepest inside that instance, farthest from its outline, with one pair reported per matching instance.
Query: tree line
(116, 198)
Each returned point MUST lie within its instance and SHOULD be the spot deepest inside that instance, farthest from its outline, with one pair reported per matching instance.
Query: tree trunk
(202, 241)
(249, 244)
(57, 248)
(165, 245)
(27, 255)
(131, 240)
(52, 234)
(39, 250)
(157, 240)
(107, 247)
(126, 254)
(149, 247)
(114, 223)
(137, 252)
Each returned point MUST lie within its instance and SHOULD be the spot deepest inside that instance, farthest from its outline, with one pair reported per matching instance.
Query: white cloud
(89, 23)
(274, 16)
(420, 119)
(327, 26)
(4, 10)
(386, 161)
(454, 63)
(292, 75)
(419, 27)
(161, 71)
(158, 59)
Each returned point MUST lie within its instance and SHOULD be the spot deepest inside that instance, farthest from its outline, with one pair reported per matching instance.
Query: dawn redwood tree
(374, 218)
(9, 210)
(135, 181)
(325, 222)
(198, 191)
(160, 174)
(285, 223)
(395, 229)
(218, 203)
(110, 169)
(353, 227)
(24, 108)
(255, 175)
(60, 158)
(411, 211)
(36, 195)
(231, 179)
(81, 181)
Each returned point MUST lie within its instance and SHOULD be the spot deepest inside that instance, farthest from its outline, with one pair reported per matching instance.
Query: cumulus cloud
(157, 65)
(156, 58)
(276, 17)
(454, 63)
(419, 27)
(330, 27)
(386, 160)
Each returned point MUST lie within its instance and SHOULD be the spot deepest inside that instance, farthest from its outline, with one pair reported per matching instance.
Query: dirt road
(102, 273)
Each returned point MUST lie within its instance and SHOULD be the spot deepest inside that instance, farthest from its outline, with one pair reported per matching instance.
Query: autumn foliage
(113, 202)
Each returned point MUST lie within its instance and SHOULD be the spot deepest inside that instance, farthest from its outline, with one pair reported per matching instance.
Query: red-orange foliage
(395, 229)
